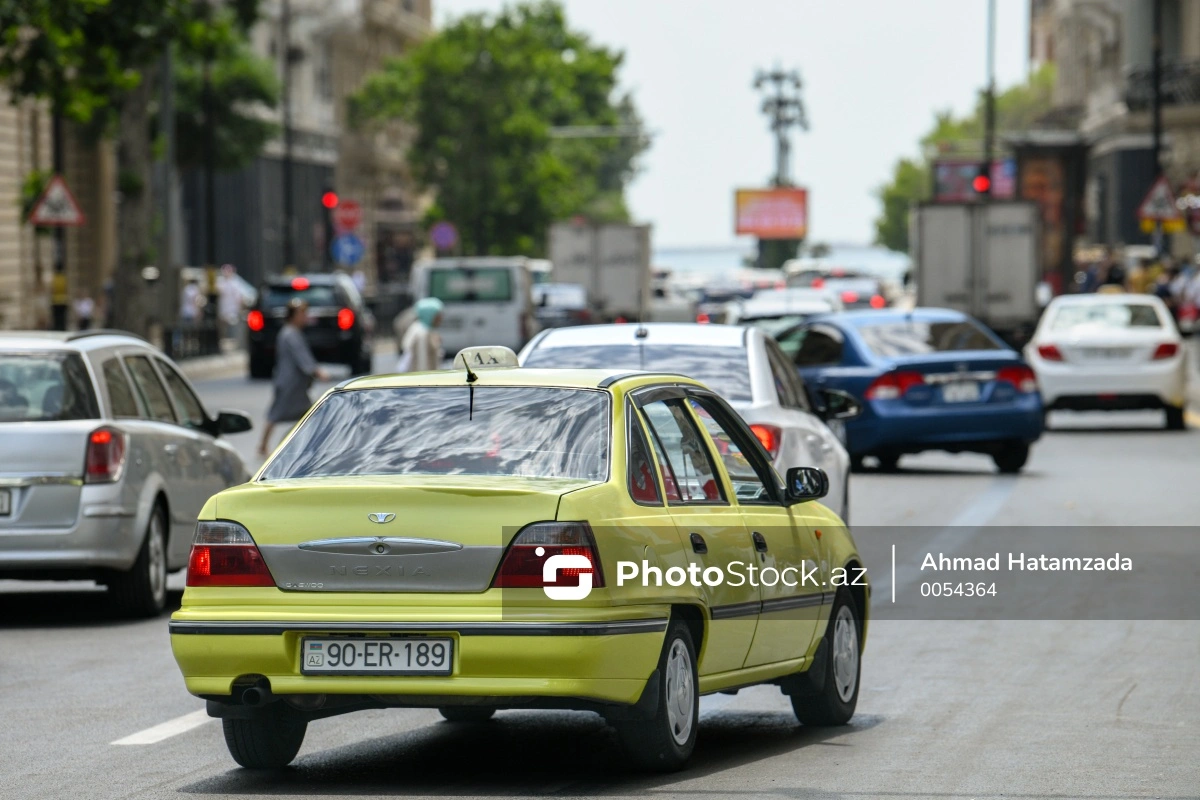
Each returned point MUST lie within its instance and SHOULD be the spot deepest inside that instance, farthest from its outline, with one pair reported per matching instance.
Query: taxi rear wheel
(266, 741)
(467, 713)
(665, 742)
(833, 702)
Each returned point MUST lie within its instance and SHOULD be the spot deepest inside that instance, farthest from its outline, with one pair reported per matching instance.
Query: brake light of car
(1021, 377)
(878, 301)
(300, 284)
(1165, 350)
(818, 283)
(620, 321)
(849, 297)
(893, 385)
(224, 554)
(1049, 352)
(703, 318)
(105, 457)
(255, 321)
(345, 319)
(768, 437)
(524, 563)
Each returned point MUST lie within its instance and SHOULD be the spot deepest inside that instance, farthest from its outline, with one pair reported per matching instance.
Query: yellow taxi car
(492, 537)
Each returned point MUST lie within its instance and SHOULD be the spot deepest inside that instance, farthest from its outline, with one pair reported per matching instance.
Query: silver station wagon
(106, 458)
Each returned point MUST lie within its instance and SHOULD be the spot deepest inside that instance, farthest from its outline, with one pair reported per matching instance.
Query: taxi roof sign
(494, 357)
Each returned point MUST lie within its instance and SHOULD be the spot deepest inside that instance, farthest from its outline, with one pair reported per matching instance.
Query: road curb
(207, 368)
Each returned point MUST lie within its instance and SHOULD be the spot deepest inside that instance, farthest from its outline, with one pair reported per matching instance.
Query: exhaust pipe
(257, 696)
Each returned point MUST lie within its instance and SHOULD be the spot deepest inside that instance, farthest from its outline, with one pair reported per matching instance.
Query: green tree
(1017, 108)
(485, 95)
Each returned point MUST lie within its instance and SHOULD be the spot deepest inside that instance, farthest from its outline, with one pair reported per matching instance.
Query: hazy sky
(874, 72)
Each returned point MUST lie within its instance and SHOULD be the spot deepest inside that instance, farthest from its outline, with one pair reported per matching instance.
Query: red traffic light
(329, 199)
(981, 184)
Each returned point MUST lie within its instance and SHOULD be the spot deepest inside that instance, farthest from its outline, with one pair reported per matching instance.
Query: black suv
(339, 329)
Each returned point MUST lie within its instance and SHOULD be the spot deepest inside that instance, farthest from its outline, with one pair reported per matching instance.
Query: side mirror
(806, 483)
(233, 422)
(836, 404)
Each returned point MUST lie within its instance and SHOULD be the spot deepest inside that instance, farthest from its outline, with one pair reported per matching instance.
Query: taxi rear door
(709, 523)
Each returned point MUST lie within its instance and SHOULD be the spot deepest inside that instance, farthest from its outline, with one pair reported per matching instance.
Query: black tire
(362, 366)
(888, 462)
(467, 713)
(833, 702)
(1011, 457)
(266, 741)
(856, 463)
(142, 591)
(1175, 419)
(261, 368)
(656, 744)
(1045, 420)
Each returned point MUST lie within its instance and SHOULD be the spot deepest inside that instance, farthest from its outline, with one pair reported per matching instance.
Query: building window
(324, 72)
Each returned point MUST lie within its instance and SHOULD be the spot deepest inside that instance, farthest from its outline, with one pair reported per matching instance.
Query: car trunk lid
(41, 474)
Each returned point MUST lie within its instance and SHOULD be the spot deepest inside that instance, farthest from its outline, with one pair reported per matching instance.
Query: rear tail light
(877, 301)
(525, 563)
(768, 437)
(581, 315)
(849, 297)
(817, 283)
(255, 321)
(1020, 377)
(300, 284)
(345, 319)
(1165, 350)
(1049, 352)
(893, 385)
(620, 320)
(703, 318)
(224, 554)
(105, 457)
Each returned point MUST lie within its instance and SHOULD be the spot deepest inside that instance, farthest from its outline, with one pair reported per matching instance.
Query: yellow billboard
(771, 213)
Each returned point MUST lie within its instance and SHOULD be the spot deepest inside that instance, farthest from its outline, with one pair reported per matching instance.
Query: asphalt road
(948, 709)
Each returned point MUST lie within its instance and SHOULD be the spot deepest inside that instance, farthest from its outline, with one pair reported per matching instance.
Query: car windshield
(1105, 315)
(723, 369)
(313, 294)
(917, 337)
(527, 432)
(473, 285)
(42, 387)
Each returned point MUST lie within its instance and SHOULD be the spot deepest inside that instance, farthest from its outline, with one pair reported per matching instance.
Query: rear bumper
(597, 661)
(894, 426)
(102, 536)
(1064, 386)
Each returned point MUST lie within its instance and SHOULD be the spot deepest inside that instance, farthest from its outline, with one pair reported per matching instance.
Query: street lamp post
(785, 110)
(285, 23)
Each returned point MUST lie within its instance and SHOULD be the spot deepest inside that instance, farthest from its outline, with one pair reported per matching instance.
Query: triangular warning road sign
(56, 206)
(1159, 204)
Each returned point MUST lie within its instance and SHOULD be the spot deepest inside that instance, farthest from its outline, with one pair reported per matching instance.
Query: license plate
(960, 392)
(452, 323)
(417, 655)
(1106, 352)
(5, 502)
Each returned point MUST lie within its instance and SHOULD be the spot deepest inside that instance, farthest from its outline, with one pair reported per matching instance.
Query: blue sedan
(928, 379)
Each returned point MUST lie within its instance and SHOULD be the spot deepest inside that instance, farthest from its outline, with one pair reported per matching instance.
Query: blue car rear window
(915, 337)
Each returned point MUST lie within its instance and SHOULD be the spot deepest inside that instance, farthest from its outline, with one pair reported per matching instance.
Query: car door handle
(170, 449)
(698, 544)
(760, 542)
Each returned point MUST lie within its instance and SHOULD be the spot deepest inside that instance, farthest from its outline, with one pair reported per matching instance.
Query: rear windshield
(527, 432)
(42, 387)
(482, 285)
(723, 369)
(314, 295)
(1106, 315)
(916, 338)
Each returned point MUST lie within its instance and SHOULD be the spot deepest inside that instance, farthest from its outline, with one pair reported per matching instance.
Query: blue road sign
(347, 249)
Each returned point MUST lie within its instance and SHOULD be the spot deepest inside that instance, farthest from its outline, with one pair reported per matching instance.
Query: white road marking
(166, 730)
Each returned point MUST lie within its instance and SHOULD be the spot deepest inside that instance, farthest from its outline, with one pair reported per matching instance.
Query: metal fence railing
(192, 340)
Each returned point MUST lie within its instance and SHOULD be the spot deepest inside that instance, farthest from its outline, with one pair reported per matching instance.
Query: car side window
(784, 373)
(194, 415)
(735, 453)
(120, 394)
(154, 396)
(688, 473)
(643, 487)
(818, 346)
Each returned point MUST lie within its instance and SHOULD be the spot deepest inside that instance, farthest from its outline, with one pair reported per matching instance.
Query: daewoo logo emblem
(381, 516)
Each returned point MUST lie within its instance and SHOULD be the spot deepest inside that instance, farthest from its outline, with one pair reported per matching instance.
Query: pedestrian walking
(295, 371)
(85, 310)
(190, 303)
(229, 302)
(421, 347)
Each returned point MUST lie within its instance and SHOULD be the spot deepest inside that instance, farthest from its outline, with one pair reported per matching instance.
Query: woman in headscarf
(421, 348)
(295, 370)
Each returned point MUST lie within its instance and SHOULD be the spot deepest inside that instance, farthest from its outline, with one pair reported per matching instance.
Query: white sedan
(743, 365)
(1109, 352)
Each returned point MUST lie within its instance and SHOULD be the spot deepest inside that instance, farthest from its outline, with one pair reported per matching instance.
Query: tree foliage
(484, 95)
(1017, 108)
